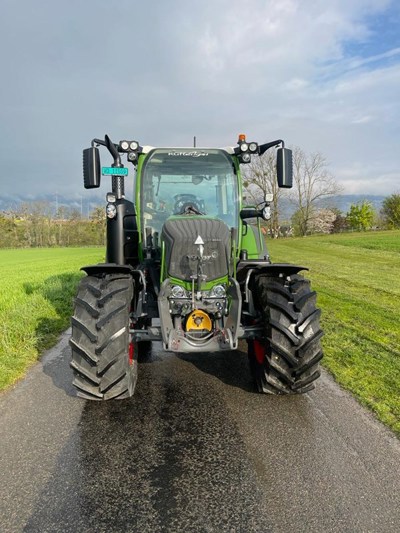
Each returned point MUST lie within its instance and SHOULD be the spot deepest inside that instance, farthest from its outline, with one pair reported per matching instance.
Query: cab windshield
(175, 181)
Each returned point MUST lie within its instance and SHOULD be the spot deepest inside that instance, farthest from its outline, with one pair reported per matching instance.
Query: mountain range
(83, 203)
(86, 203)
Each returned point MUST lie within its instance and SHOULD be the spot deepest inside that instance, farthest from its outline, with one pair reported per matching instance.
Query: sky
(323, 75)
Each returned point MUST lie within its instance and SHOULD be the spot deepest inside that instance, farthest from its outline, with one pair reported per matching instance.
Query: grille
(179, 235)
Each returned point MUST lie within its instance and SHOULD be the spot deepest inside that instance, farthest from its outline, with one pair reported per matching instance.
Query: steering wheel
(189, 209)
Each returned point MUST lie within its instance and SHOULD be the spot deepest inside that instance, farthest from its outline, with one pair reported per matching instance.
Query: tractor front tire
(103, 358)
(286, 359)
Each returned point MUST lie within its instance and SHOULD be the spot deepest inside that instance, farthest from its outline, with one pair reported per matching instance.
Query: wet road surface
(194, 450)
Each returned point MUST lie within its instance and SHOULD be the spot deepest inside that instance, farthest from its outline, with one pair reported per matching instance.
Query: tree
(361, 215)
(391, 210)
(98, 219)
(312, 182)
(323, 221)
(8, 228)
(37, 223)
(340, 223)
(259, 180)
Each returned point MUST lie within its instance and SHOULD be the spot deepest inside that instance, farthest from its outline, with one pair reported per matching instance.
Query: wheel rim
(131, 353)
(259, 351)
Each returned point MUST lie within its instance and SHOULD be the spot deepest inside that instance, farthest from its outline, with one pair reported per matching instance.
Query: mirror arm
(98, 141)
(264, 147)
(113, 151)
(111, 147)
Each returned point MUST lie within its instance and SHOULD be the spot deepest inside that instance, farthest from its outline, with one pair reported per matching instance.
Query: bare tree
(98, 219)
(259, 180)
(37, 215)
(312, 182)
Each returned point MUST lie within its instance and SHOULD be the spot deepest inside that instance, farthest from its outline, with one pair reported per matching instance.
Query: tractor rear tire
(286, 360)
(103, 357)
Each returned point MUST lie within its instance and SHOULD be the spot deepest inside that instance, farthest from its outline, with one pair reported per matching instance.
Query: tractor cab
(175, 182)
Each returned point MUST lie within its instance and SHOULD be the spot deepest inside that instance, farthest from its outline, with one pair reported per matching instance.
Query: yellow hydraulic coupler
(198, 320)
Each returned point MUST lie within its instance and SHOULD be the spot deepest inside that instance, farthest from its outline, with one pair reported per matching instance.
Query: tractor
(187, 265)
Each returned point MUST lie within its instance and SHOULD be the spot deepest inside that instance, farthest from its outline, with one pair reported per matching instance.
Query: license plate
(114, 171)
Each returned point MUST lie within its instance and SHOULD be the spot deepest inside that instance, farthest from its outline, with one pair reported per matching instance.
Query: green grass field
(36, 294)
(357, 278)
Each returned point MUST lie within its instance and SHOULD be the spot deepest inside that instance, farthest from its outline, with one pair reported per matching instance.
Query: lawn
(36, 294)
(357, 278)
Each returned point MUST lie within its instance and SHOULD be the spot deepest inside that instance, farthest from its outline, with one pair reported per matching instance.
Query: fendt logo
(195, 153)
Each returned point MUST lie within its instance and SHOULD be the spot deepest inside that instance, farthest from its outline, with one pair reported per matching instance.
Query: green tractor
(185, 267)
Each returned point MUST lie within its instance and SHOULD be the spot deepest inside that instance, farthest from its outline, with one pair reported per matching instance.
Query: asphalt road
(194, 450)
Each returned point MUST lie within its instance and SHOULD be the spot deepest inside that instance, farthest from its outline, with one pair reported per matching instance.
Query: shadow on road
(232, 368)
(169, 459)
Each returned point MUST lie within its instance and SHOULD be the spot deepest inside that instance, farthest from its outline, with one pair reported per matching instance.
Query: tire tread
(292, 335)
(100, 338)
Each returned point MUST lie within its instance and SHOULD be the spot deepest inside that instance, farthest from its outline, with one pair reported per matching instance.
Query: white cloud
(358, 62)
(296, 84)
(163, 73)
(363, 119)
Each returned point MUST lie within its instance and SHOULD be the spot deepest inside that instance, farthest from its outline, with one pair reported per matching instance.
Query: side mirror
(91, 168)
(284, 167)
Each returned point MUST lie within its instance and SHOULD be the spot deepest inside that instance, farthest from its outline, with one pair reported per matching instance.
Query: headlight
(266, 212)
(124, 145)
(246, 158)
(244, 147)
(218, 291)
(111, 198)
(134, 145)
(253, 147)
(178, 292)
(111, 211)
(132, 156)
